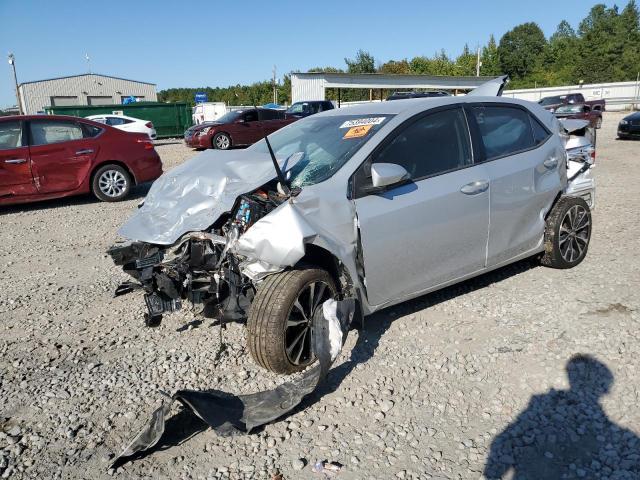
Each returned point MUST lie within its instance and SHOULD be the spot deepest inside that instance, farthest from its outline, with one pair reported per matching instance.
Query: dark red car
(51, 156)
(580, 111)
(236, 128)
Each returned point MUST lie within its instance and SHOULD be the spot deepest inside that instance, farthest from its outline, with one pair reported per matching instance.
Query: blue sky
(215, 43)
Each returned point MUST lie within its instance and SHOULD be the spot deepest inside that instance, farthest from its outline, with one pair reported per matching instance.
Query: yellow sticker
(355, 132)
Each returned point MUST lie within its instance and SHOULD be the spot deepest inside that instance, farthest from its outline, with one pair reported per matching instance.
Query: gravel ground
(468, 378)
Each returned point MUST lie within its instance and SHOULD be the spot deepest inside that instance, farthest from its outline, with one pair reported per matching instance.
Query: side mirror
(386, 174)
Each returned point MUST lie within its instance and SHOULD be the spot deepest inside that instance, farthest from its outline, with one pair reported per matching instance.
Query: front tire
(279, 328)
(111, 183)
(221, 141)
(567, 233)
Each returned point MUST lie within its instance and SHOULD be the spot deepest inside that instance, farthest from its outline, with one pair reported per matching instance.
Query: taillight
(148, 125)
(147, 144)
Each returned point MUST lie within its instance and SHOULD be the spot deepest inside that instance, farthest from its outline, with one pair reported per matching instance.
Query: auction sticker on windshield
(355, 132)
(359, 122)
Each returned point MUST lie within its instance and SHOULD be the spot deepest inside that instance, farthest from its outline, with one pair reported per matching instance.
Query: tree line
(604, 47)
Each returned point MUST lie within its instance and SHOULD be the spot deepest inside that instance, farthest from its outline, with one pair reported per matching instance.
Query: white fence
(618, 95)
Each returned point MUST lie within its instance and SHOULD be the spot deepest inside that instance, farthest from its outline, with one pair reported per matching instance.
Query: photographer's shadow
(566, 434)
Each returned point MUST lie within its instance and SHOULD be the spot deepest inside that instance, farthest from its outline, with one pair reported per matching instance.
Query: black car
(403, 95)
(304, 109)
(629, 126)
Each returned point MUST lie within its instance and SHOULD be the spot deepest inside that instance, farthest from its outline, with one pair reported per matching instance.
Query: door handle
(16, 160)
(476, 187)
(84, 152)
(551, 162)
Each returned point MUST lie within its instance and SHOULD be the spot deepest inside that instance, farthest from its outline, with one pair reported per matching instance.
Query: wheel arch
(323, 258)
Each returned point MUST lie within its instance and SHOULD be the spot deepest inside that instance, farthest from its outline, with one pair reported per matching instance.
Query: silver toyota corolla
(382, 202)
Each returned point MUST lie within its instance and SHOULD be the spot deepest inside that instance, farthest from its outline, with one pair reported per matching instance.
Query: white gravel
(421, 393)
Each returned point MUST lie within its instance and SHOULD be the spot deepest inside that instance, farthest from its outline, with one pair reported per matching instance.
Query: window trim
(478, 136)
(354, 195)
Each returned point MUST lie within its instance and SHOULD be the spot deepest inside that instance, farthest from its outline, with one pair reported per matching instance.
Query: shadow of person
(566, 434)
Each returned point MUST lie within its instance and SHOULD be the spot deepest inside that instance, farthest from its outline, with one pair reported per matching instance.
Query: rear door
(246, 131)
(62, 153)
(433, 230)
(15, 167)
(523, 163)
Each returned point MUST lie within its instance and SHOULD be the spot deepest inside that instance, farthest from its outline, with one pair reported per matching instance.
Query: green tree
(401, 67)
(466, 62)
(490, 59)
(520, 50)
(600, 47)
(363, 63)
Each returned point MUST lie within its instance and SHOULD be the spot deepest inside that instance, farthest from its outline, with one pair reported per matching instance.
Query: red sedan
(236, 128)
(52, 156)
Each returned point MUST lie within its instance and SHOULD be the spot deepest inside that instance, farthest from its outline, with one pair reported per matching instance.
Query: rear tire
(111, 183)
(278, 332)
(221, 141)
(567, 233)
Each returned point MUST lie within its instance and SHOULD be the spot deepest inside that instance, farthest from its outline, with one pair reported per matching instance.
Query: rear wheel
(111, 183)
(222, 141)
(279, 327)
(567, 233)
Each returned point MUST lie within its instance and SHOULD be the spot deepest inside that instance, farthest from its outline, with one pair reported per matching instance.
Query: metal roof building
(85, 89)
(311, 86)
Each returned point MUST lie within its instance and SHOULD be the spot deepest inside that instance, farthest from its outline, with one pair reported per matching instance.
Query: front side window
(434, 144)
(10, 135)
(504, 130)
(324, 144)
(45, 132)
(295, 108)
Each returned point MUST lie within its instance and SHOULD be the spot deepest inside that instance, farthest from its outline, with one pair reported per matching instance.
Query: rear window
(504, 130)
(10, 135)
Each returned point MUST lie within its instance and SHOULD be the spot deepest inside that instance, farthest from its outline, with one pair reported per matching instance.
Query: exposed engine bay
(200, 267)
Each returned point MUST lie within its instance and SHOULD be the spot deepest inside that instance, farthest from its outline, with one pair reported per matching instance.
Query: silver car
(381, 202)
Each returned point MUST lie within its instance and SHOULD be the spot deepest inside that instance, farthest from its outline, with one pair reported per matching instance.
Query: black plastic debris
(229, 414)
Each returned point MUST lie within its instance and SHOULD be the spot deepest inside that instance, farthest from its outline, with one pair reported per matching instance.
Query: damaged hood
(192, 196)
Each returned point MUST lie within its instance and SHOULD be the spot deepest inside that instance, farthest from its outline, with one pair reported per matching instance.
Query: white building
(85, 89)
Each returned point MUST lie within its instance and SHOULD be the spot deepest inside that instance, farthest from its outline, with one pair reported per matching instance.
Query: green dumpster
(169, 119)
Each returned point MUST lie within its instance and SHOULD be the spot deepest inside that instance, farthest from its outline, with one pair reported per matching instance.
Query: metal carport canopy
(377, 80)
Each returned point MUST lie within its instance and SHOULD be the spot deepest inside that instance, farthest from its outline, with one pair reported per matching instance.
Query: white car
(128, 124)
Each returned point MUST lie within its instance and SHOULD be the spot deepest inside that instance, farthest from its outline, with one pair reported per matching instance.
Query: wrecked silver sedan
(379, 202)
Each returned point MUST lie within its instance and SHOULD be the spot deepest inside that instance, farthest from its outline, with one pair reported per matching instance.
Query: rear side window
(540, 134)
(113, 121)
(434, 144)
(90, 131)
(45, 132)
(10, 135)
(504, 130)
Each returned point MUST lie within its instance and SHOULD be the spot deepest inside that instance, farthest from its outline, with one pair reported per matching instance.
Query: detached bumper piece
(228, 414)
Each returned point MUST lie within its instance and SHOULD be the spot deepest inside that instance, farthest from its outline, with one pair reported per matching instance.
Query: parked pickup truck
(580, 111)
(552, 103)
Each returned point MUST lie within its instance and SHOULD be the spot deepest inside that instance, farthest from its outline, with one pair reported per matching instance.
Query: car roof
(416, 105)
(99, 115)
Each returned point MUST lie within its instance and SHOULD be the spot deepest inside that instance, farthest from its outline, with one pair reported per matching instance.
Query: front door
(426, 233)
(61, 156)
(15, 167)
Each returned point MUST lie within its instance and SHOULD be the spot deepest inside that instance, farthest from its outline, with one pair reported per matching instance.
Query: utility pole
(275, 87)
(478, 62)
(12, 62)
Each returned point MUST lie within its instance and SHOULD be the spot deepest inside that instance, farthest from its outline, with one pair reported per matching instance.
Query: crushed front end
(201, 267)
